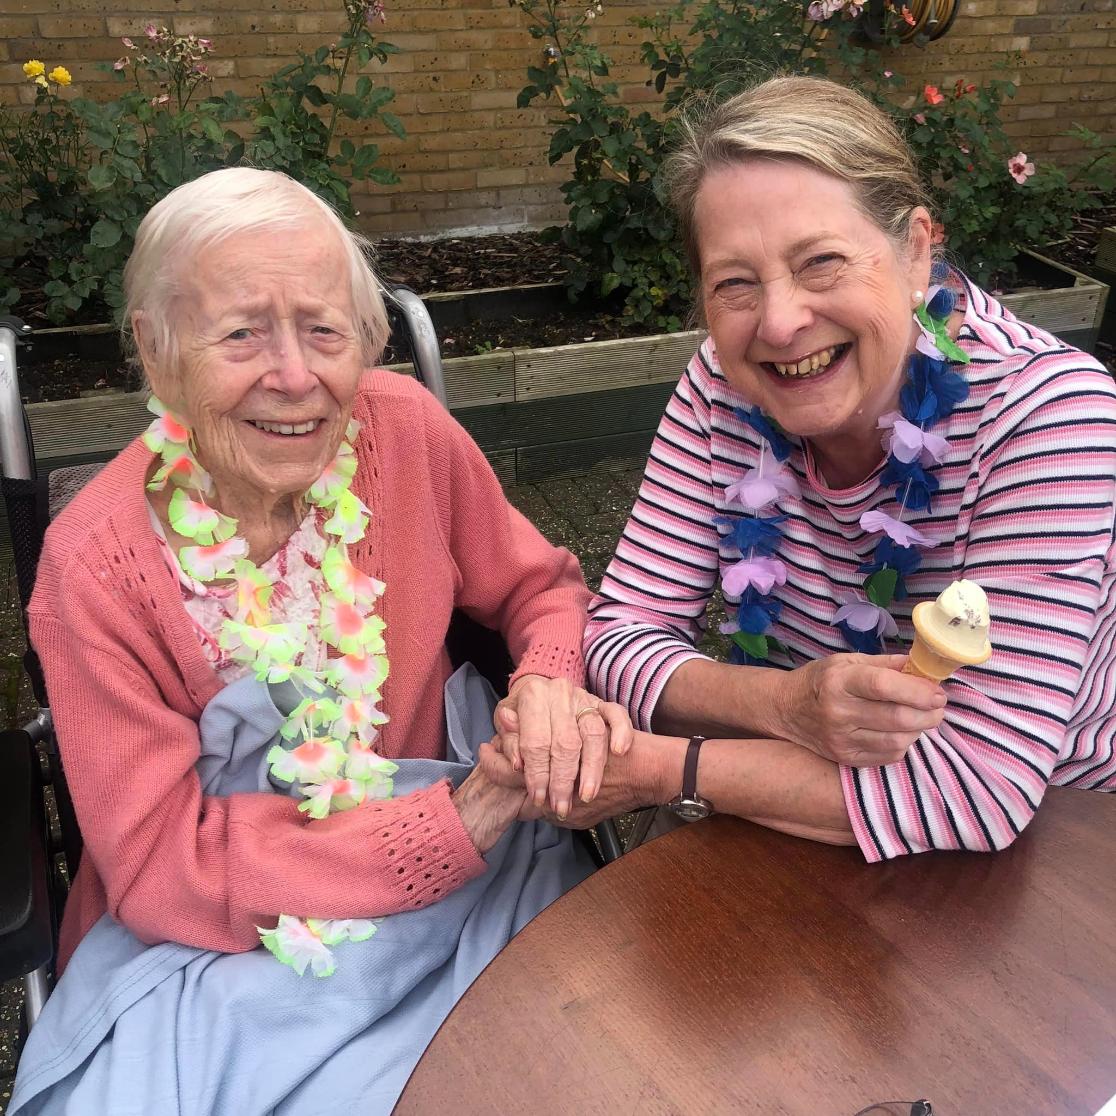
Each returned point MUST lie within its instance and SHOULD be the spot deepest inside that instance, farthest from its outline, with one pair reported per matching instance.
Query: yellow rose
(34, 68)
(61, 75)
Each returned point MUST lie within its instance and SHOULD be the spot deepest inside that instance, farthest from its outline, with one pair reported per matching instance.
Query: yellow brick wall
(471, 159)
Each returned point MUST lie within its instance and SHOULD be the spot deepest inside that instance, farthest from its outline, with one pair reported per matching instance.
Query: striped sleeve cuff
(632, 665)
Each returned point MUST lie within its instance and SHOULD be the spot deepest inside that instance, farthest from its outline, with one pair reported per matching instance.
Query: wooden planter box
(536, 413)
(1105, 270)
(1072, 309)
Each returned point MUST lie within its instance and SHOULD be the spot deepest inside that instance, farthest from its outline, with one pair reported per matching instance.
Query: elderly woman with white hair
(216, 613)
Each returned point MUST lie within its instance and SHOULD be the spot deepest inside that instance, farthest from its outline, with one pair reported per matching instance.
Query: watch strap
(689, 771)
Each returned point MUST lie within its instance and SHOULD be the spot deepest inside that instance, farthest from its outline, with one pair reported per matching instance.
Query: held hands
(486, 808)
(558, 734)
(859, 710)
(638, 777)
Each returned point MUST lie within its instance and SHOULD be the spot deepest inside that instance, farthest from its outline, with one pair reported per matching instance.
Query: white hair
(214, 207)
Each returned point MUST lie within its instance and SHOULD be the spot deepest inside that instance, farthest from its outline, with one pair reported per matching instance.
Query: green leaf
(880, 587)
(100, 137)
(393, 124)
(377, 98)
(212, 129)
(104, 234)
(383, 176)
(609, 283)
(754, 645)
(100, 176)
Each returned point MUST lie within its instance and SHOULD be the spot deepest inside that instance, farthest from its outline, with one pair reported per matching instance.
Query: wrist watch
(689, 805)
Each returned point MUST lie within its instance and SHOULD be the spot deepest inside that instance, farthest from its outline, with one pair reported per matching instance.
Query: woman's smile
(817, 365)
(286, 429)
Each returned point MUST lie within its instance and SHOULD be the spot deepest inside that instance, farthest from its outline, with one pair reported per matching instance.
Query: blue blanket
(135, 1029)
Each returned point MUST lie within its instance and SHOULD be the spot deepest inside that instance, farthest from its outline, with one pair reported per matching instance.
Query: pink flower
(120, 63)
(907, 16)
(128, 43)
(908, 442)
(763, 485)
(205, 44)
(888, 73)
(1020, 168)
(900, 533)
(920, 118)
(763, 573)
(151, 31)
(933, 95)
(863, 616)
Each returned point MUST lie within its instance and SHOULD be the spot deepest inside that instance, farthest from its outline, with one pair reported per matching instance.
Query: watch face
(690, 809)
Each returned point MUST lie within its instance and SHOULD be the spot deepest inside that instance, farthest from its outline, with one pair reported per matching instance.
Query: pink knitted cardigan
(128, 682)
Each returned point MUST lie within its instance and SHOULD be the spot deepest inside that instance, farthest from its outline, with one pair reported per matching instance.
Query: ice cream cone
(933, 654)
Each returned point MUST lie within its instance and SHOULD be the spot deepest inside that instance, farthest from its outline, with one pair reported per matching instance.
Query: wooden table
(728, 969)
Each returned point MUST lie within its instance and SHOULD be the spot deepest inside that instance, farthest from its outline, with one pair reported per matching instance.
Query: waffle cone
(929, 656)
(924, 662)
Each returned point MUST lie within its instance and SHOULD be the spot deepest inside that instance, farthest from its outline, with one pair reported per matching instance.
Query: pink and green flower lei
(928, 398)
(329, 755)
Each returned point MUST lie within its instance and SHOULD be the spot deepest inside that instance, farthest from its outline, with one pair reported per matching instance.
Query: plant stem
(353, 31)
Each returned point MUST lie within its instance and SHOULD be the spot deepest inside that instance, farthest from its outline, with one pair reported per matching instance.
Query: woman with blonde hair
(863, 428)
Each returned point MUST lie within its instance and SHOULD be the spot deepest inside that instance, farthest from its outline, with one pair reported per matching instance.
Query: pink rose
(1020, 168)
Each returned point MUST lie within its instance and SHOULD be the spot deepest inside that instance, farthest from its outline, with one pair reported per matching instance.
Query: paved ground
(585, 514)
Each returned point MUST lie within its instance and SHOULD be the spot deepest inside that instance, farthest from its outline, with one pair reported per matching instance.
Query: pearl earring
(916, 298)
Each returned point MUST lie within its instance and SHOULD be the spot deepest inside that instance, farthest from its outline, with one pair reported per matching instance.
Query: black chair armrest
(26, 924)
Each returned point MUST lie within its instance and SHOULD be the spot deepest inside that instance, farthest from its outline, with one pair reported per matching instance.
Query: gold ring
(582, 712)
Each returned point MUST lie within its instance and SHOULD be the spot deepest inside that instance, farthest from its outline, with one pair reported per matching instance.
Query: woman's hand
(640, 776)
(551, 729)
(859, 710)
(486, 809)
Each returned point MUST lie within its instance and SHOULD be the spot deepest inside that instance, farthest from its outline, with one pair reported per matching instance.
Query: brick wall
(471, 159)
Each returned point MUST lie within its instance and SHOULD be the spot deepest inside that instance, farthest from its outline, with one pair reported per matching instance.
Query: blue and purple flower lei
(931, 393)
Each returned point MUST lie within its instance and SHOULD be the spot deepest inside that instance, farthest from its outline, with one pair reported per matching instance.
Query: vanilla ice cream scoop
(951, 631)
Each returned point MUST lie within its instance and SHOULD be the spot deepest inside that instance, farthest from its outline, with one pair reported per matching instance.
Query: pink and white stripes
(1025, 508)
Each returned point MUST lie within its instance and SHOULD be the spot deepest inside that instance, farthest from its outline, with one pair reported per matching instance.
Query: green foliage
(295, 119)
(77, 176)
(880, 587)
(987, 212)
(620, 233)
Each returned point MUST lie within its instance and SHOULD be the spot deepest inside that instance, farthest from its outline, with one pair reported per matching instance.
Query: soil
(472, 262)
(465, 263)
(1080, 248)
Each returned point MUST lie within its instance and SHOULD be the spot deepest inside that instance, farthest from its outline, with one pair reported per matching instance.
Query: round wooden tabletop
(728, 969)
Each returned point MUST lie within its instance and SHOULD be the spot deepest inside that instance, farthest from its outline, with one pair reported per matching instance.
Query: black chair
(38, 858)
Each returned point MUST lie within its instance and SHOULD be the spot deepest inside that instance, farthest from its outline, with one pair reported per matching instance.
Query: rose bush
(77, 176)
(991, 199)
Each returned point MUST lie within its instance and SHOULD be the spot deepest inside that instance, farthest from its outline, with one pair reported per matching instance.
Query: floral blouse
(296, 572)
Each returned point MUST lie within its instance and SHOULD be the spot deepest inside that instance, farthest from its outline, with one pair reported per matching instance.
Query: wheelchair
(38, 858)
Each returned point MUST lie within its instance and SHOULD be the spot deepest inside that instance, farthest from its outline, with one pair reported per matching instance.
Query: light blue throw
(166, 1029)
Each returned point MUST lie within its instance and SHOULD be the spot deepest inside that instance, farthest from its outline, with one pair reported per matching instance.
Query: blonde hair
(214, 207)
(806, 120)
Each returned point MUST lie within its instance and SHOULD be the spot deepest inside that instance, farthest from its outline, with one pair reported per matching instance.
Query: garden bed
(70, 363)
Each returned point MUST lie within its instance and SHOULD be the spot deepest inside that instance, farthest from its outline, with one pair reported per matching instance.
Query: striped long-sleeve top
(1025, 508)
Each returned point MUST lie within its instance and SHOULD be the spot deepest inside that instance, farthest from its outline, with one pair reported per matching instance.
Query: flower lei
(328, 755)
(931, 393)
